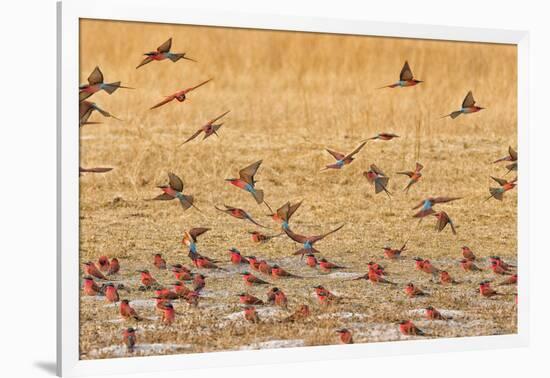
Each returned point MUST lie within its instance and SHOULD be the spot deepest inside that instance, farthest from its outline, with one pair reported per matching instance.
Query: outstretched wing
(196, 86)
(165, 47)
(444, 199)
(96, 77)
(297, 238)
(356, 150)
(84, 110)
(468, 100)
(336, 155)
(406, 173)
(196, 134)
(406, 73)
(292, 209)
(319, 237)
(95, 170)
(163, 197)
(163, 102)
(376, 170)
(175, 182)
(196, 232)
(247, 174)
(513, 153)
(145, 61)
(217, 118)
(419, 167)
(500, 181)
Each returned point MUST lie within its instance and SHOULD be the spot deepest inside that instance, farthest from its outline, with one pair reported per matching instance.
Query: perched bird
(469, 266)
(264, 267)
(345, 336)
(85, 110)
(246, 181)
(407, 328)
(321, 290)
(327, 267)
(192, 298)
(311, 261)
(468, 106)
(325, 300)
(190, 237)
(284, 213)
(392, 254)
(486, 291)
(433, 314)
(280, 299)
(95, 84)
(374, 277)
(165, 293)
(258, 237)
(199, 282)
(163, 52)
(181, 96)
(468, 254)
(427, 267)
(498, 193)
(248, 299)
(375, 176)
(342, 159)
(445, 278)
(236, 257)
(91, 270)
(239, 214)
(301, 313)
(383, 136)
(103, 263)
(251, 280)
(271, 295)
(111, 293)
(168, 314)
(406, 78)
(427, 204)
(512, 280)
(253, 262)
(501, 263)
(181, 273)
(413, 175)
(498, 269)
(114, 266)
(308, 241)
(158, 261)
(127, 312)
(93, 170)
(412, 291)
(278, 272)
(174, 190)
(180, 289)
(202, 262)
(129, 339)
(442, 220)
(208, 129)
(147, 279)
(90, 287)
(251, 315)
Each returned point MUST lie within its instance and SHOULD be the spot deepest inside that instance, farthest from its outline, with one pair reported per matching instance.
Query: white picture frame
(171, 11)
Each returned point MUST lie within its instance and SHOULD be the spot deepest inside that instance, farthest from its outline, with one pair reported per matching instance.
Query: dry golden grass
(292, 95)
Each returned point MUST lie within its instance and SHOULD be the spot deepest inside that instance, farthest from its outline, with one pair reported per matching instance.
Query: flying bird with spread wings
(511, 157)
(505, 185)
(208, 129)
(308, 241)
(95, 84)
(376, 177)
(413, 175)
(180, 95)
(406, 78)
(161, 53)
(246, 181)
(85, 110)
(427, 205)
(239, 214)
(174, 190)
(342, 159)
(468, 106)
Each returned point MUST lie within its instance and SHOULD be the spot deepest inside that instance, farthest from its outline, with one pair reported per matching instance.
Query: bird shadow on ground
(47, 366)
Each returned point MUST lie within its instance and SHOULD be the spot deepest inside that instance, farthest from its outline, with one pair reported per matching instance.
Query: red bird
(246, 181)
(512, 280)
(469, 266)
(498, 193)
(258, 237)
(180, 95)
(512, 157)
(103, 263)
(301, 312)
(320, 290)
(166, 294)
(311, 261)
(345, 336)
(264, 267)
(501, 263)
(376, 177)
(497, 269)
(419, 263)
(383, 136)
(202, 262)
(468, 107)
(412, 291)
(158, 261)
(192, 298)
(209, 129)
(374, 277)
(253, 262)
(327, 266)
(199, 282)
(407, 328)
(161, 53)
(427, 267)
(96, 83)
(280, 299)
(278, 272)
(85, 110)
(324, 299)
(129, 339)
(82, 170)
(168, 314)
(114, 266)
(127, 312)
(251, 280)
(406, 78)
(248, 299)
(468, 253)
(236, 257)
(427, 205)
(147, 279)
(342, 159)
(90, 287)
(442, 220)
(111, 293)
(433, 314)
(91, 270)
(251, 315)
(485, 290)
(393, 254)
(181, 273)
(284, 213)
(180, 289)
(414, 176)
(239, 214)
(445, 278)
(174, 190)
(271, 295)
(308, 241)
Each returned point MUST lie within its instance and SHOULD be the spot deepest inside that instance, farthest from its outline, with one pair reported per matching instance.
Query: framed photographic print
(254, 187)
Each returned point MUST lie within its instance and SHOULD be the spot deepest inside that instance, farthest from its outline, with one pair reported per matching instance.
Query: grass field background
(292, 95)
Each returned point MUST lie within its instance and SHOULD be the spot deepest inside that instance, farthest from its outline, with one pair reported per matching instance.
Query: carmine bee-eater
(301, 312)
(181, 96)
(377, 268)
(271, 295)
(192, 298)
(251, 315)
(498, 193)
(413, 175)
(512, 157)
(434, 314)
(342, 159)
(442, 220)
(280, 299)
(427, 267)
(258, 237)
(264, 267)
(82, 170)
(406, 78)
(168, 314)
(190, 237)
(468, 106)
(392, 254)
(111, 293)
(374, 277)
(278, 272)
(129, 339)
(311, 261)
(376, 177)
(469, 266)
(236, 257)
(95, 84)
(383, 136)
(159, 304)
(248, 299)
(497, 269)
(254, 263)
(308, 241)
(246, 181)
(174, 190)
(407, 328)
(85, 110)
(127, 312)
(501, 263)
(181, 273)
(180, 289)
(412, 291)
(327, 267)
(202, 262)
(239, 214)
(468, 254)
(114, 266)
(512, 280)
(345, 336)
(418, 263)
(445, 278)
(284, 213)
(91, 270)
(321, 290)
(426, 205)
(165, 293)
(251, 280)
(163, 52)
(147, 279)
(90, 287)
(208, 129)
(103, 263)
(486, 291)
(199, 282)
(158, 261)
(325, 300)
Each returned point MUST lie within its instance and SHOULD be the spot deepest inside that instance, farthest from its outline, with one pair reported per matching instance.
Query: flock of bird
(189, 284)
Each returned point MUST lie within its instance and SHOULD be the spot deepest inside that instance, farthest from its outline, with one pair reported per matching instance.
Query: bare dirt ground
(292, 95)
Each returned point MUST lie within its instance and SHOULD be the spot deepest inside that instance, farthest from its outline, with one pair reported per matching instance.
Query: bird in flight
(378, 178)
(308, 241)
(406, 78)
(413, 175)
(163, 52)
(93, 170)
(95, 84)
(180, 95)
(468, 106)
(442, 220)
(174, 190)
(246, 181)
(342, 159)
(208, 129)
(284, 213)
(239, 214)
(427, 204)
(512, 157)
(383, 136)
(498, 193)
(85, 110)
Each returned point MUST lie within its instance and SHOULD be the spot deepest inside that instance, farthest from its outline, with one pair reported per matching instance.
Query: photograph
(247, 189)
